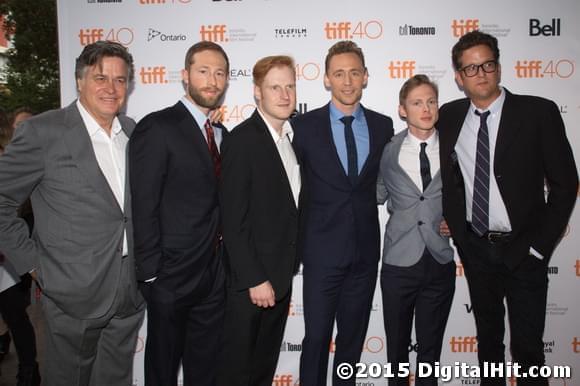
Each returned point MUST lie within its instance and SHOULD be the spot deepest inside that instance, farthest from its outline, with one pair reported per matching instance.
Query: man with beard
(174, 169)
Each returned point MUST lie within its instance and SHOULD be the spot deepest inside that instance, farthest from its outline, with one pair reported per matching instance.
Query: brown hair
(344, 47)
(472, 39)
(414, 82)
(264, 65)
(205, 46)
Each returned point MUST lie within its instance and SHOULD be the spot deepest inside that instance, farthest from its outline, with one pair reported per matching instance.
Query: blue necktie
(480, 208)
(425, 167)
(350, 148)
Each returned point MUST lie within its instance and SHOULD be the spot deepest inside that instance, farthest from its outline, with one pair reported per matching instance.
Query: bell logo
(213, 33)
(282, 380)
(461, 27)
(401, 69)
(577, 266)
(463, 344)
(153, 75)
(90, 35)
(552, 29)
(576, 345)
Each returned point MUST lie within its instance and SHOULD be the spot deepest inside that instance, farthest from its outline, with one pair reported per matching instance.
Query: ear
(498, 73)
(185, 76)
(402, 112)
(458, 79)
(326, 81)
(257, 93)
(365, 78)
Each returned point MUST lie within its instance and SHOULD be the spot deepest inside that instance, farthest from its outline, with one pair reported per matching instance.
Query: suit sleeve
(21, 170)
(147, 171)
(562, 179)
(236, 188)
(382, 192)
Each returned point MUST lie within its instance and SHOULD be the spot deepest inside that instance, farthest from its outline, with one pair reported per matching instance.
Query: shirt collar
(432, 141)
(91, 124)
(199, 117)
(286, 128)
(336, 114)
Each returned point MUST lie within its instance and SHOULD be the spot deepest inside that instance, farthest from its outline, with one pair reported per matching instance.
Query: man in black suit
(339, 147)
(497, 151)
(259, 196)
(174, 170)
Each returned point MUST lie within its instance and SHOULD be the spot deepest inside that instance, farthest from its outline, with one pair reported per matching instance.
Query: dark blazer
(76, 245)
(340, 222)
(175, 201)
(531, 146)
(260, 218)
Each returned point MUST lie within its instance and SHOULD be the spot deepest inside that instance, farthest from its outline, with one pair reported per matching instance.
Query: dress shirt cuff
(536, 254)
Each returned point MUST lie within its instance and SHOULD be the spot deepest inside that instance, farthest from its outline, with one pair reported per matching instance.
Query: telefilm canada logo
(290, 32)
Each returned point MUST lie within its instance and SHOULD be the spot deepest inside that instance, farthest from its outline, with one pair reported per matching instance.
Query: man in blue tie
(498, 151)
(339, 147)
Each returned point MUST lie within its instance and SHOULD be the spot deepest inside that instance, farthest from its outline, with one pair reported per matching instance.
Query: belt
(493, 237)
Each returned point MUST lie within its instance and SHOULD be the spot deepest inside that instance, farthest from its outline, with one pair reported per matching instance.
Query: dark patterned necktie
(351, 155)
(425, 167)
(213, 150)
(480, 208)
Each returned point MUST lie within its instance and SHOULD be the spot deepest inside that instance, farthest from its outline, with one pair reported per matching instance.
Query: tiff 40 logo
(557, 68)
(123, 35)
(372, 29)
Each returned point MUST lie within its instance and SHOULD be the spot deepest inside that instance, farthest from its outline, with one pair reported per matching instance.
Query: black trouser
(524, 290)
(426, 290)
(13, 304)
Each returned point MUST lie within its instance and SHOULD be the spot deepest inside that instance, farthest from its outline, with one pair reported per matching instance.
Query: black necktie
(480, 208)
(425, 167)
(213, 150)
(350, 148)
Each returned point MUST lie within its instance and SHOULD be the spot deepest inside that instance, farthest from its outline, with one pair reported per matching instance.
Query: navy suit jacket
(339, 223)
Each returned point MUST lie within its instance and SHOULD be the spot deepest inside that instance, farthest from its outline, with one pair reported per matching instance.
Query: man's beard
(209, 103)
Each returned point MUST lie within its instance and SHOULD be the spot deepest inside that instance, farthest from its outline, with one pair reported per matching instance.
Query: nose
(347, 79)
(212, 79)
(284, 94)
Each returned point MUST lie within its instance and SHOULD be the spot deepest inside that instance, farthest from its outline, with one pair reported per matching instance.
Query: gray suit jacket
(414, 216)
(76, 245)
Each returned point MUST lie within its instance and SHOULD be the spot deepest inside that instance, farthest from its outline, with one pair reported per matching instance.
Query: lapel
(268, 145)
(373, 145)
(83, 155)
(332, 156)
(393, 159)
(509, 127)
(192, 133)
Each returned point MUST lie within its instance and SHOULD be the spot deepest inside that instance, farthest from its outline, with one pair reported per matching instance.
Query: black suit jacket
(175, 203)
(531, 147)
(339, 221)
(260, 218)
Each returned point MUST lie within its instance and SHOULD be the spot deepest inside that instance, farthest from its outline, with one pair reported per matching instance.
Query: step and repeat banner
(539, 55)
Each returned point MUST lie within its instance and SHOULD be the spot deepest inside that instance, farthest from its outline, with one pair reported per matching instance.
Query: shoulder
(454, 106)
(168, 116)
(310, 117)
(529, 100)
(376, 116)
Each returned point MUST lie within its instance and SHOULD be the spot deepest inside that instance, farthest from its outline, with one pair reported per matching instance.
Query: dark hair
(472, 39)
(344, 47)
(264, 65)
(94, 53)
(5, 130)
(414, 82)
(205, 46)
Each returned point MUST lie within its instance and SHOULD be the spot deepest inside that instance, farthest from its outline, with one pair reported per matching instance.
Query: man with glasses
(497, 150)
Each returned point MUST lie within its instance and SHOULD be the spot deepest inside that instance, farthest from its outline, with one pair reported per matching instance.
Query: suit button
(125, 219)
(420, 223)
(421, 198)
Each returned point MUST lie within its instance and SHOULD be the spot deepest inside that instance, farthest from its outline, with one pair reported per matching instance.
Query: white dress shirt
(466, 149)
(284, 145)
(110, 152)
(409, 156)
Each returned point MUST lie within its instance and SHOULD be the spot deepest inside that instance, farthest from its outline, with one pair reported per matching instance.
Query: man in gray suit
(418, 273)
(71, 162)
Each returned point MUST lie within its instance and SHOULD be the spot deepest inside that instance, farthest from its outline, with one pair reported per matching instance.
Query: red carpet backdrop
(539, 55)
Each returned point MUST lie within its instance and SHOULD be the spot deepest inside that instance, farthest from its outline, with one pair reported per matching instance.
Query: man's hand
(263, 295)
(216, 116)
(444, 229)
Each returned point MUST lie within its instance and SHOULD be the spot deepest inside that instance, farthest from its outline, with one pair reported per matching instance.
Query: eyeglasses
(473, 69)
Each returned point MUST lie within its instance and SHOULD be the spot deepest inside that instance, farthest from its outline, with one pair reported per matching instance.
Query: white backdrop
(539, 55)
